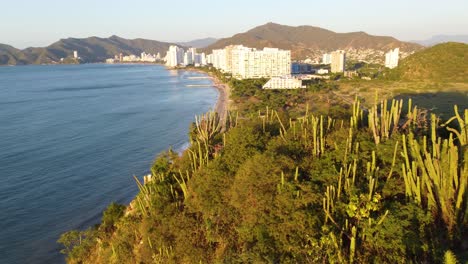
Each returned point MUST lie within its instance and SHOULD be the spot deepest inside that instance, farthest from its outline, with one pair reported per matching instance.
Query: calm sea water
(71, 137)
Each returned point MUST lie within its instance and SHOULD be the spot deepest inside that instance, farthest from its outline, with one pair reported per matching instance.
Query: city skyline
(37, 25)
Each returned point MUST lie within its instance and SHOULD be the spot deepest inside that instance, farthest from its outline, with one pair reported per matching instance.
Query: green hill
(9, 55)
(443, 62)
(92, 49)
(270, 189)
(304, 40)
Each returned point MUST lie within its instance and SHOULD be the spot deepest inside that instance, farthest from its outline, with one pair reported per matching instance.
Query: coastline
(222, 105)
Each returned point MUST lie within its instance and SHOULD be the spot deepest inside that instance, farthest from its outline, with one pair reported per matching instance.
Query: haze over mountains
(199, 43)
(303, 41)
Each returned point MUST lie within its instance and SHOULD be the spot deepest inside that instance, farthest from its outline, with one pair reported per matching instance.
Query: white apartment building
(391, 58)
(203, 60)
(188, 58)
(193, 53)
(283, 83)
(174, 56)
(338, 61)
(146, 57)
(130, 58)
(218, 59)
(245, 63)
(326, 58)
(178, 57)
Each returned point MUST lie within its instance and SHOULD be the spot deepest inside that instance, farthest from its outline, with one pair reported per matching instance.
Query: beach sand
(223, 103)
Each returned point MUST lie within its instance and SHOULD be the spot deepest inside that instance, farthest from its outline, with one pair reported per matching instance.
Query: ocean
(73, 136)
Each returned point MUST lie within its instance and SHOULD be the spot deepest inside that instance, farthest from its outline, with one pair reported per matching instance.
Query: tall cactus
(437, 179)
(208, 125)
(383, 122)
(462, 135)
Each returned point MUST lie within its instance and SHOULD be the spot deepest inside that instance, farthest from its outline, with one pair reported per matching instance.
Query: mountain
(8, 54)
(92, 49)
(442, 39)
(442, 62)
(199, 43)
(305, 41)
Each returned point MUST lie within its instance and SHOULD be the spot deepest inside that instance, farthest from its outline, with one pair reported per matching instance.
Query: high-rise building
(174, 56)
(178, 57)
(219, 59)
(338, 61)
(188, 58)
(391, 58)
(193, 53)
(75, 54)
(244, 62)
(203, 60)
(326, 58)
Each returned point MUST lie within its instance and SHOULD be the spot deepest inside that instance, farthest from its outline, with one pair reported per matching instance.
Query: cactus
(208, 125)
(383, 126)
(437, 179)
(352, 246)
(393, 161)
(462, 135)
(183, 182)
(358, 113)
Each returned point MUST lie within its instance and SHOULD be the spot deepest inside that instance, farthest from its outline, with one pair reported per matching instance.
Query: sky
(25, 23)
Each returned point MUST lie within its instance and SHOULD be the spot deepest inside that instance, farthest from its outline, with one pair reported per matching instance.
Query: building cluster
(245, 63)
(144, 57)
(177, 56)
(391, 58)
(250, 63)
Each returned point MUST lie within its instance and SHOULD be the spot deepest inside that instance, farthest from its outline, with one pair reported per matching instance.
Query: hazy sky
(40, 22)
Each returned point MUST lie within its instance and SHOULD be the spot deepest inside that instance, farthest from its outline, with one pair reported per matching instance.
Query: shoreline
(222, 105)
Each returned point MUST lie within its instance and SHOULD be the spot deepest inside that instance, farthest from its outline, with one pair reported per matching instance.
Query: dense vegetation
(296, 185)
(443, 62)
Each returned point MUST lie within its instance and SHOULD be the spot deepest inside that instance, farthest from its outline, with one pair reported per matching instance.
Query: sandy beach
(222, 105)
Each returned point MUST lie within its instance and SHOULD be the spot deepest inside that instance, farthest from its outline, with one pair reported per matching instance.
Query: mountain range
(92, 49)
(303, 41)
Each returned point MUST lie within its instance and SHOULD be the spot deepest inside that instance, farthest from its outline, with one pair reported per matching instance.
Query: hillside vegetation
(383, 186)
(447, 62)
(91, 49)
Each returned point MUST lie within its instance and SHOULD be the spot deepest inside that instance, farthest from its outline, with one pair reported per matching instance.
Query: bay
(72, 137)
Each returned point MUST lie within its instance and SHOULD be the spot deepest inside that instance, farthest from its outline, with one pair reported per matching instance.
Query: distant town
(250, 63)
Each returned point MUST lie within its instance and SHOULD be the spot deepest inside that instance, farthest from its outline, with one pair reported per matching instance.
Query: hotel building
(338, 61)
(391, 58)
(244, 63)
